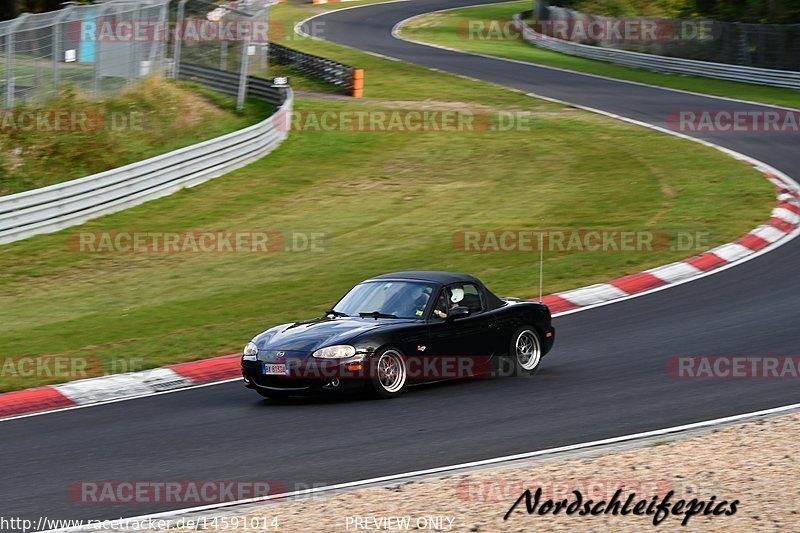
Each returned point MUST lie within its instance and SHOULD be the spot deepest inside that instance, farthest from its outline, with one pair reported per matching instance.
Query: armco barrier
(668, 65)
(318, 67)
(60, 206)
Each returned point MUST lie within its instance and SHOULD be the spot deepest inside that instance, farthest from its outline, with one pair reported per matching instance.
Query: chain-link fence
(232, 37)
(772, 46)
(103, 48)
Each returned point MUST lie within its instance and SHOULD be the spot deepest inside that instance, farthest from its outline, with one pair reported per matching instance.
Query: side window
(442, 305)
(466, 295)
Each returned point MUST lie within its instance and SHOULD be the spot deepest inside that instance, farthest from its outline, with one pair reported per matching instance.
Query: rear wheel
(389, 374)
(526, 351)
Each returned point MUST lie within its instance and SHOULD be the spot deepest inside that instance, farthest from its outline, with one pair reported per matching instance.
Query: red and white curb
(784, 221)
(119, 387)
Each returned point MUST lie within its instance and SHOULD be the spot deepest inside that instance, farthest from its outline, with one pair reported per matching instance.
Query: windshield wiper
(376, 315)
(335, 313)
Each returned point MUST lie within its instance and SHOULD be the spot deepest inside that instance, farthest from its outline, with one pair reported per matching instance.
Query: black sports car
(401, 328)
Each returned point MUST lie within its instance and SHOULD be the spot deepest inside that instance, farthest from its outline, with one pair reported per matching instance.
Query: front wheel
(389, 374)
(526, 350)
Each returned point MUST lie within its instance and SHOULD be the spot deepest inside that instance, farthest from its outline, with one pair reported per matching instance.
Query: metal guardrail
(228, 83)
(669, 65)
(67, 204)
(332, 72)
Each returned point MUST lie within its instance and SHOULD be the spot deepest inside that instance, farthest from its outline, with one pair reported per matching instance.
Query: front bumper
(325, 376)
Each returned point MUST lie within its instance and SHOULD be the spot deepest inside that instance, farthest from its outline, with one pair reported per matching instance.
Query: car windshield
(386, 299)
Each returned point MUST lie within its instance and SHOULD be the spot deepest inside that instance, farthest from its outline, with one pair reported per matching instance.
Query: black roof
(444, 278)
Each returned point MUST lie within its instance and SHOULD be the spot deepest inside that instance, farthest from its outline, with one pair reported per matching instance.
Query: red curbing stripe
(208, 370)
(706, 262)
(789, 207)
(32, 401)
(753, 242)
(557, 304)
(636, 283)
(781, 224)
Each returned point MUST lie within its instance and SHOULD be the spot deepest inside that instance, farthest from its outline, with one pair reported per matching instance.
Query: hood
(314, 334)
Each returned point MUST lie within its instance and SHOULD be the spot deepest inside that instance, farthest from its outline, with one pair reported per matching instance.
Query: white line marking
(461, 466)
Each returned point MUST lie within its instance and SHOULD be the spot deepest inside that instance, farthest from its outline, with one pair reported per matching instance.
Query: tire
(526, 351)
(389, 374)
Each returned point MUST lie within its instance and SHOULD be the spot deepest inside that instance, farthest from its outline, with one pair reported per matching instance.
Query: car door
(463, 345)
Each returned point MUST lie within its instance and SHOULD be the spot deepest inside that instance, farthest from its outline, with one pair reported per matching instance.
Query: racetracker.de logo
(52, 121)
(193, 242)
(599, 30)
(113, 492)
(401, 121)
(500, 490)
(190, 31)
(734, 367)
(734, 121)
(578, 240)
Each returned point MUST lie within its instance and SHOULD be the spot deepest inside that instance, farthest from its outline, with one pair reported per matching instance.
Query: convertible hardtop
(447, 278)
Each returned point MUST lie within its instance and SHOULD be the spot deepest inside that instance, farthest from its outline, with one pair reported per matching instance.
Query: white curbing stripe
(768, 233)
(784, 214)
(675, 272)
(94, 390)
(593, 294)
(731, 252)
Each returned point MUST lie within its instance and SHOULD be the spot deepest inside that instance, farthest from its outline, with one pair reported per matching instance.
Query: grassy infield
(385, 201)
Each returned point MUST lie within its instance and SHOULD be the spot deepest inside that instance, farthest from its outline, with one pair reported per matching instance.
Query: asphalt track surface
(606, 377)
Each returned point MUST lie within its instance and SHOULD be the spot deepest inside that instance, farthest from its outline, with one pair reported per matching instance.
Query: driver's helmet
(456, 295)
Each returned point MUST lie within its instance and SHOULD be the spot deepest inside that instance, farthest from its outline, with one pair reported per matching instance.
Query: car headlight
(250, 352)
(335, 352)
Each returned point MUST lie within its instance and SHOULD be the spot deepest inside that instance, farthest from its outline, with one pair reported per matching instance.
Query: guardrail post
(10, 85)
(57, 37)
(98, 13)
(176, 60)
(358, 83)
(243, 72)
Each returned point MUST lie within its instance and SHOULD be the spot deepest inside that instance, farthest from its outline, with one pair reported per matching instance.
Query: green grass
(384, 201)
(446, 29)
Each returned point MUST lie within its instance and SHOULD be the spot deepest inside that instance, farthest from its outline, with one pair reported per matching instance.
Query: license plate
(274, 369)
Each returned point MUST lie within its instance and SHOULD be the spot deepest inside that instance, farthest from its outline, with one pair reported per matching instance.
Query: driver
(456, 295)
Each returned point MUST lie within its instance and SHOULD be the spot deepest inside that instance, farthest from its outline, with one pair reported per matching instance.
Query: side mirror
(458, 312)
